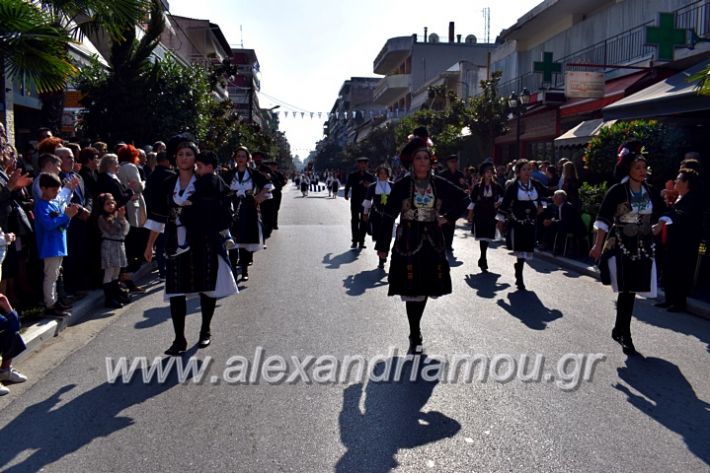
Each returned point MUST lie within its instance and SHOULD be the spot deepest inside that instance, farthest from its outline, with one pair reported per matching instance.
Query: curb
(47, 328)
(695, 306)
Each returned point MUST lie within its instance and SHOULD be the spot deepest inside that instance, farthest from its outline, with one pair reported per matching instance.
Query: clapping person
(11, 345)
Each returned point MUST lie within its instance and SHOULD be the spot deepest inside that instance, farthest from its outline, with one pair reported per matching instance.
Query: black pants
(278, 196)
(178, 312)
(245, 257)
(357, 226)
(448, 231)
(624, 310)
(135, 247)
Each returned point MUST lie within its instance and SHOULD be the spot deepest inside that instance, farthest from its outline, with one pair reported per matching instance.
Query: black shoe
(354, 245)
(56, 311)
(616, 335)
(120, 294)
(110, 300)
(177, 348)
(627, 344)
(245, 276)
(362, 246)
(483, 264)
(205, 340)
(415, 344)
(132, 287)
(382, 264)
(62, 306)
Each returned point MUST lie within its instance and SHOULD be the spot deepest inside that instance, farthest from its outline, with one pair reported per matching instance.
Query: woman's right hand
(148, 254)
(596, 253)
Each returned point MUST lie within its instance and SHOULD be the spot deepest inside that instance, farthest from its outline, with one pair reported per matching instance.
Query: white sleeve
(154, 226)
(599, 225)
(667, 219)
(470, 206)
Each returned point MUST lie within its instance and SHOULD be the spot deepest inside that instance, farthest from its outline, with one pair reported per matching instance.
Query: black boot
(120, 294)
(415, 311)
(382, 263)
(622, 328)
(110, 300)
(519, 274)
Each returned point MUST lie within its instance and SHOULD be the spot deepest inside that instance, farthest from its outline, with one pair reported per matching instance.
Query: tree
(486, 115)
(703, 80)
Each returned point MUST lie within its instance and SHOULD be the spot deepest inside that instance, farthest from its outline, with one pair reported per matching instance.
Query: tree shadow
(392, 419)
(51, 433)
(335, 262)
(666, 396)
(680, 322)
(157, 315)
(357, 284)
(526, 306)
(486, 284)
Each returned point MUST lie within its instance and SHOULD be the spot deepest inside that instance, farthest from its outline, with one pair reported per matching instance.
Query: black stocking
(207, 305)
(415, 310)
(178, 311)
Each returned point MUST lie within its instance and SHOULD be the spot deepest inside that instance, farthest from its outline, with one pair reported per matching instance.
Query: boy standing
(51, 232)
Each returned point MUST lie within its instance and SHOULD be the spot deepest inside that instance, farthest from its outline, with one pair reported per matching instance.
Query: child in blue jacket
(51, 222)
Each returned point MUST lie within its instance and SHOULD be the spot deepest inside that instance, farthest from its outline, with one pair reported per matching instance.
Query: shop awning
(582, 133)
(671, 96)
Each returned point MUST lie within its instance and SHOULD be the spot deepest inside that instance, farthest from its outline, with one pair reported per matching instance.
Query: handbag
(21, 221)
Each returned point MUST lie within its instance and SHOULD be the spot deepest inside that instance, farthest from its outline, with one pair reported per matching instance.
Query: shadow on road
(49, 431)
(486, 284)
(687, 324)
(357, 284)
(335, 262)
(667, 397)
(392, 419)
(157, 315)
(526, 306)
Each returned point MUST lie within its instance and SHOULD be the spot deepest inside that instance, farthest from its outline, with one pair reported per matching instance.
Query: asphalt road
(310, 295)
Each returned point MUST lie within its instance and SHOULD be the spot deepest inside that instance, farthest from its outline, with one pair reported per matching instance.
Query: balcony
(392, 54)
(391, 88)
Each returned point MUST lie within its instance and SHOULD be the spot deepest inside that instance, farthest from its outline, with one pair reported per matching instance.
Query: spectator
(552, 179)
(159, 147)
(48, 145)
(101, 147)
(44, 133)
(108, 180)
(129, 175)
(561, 219)
(114, 227)
(50, 230)
(570, 184)
(89, 160)
(11, 345)
(76, 262)
(538, 174)
(152, 195)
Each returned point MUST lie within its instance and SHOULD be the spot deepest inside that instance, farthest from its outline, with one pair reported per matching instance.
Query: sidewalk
(40, 332)
(695, 306)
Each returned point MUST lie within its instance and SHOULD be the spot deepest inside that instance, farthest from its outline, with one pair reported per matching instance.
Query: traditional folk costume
(519, 209)
(247, 229)
(419, 267)
(203, 271)
(484, 198)
(358, 181)
(373, 206)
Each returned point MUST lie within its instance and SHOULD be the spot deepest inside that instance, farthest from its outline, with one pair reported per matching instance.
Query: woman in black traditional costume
(419, 268)
(486, 196)
(521, 205)
(204, 270)
(624, 244)
(250, 187)
(374, 204)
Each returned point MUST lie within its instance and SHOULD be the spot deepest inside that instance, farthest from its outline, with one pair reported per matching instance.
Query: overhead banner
(587, 85)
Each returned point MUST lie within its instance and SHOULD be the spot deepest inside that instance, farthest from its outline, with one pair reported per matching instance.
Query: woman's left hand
(442, 220)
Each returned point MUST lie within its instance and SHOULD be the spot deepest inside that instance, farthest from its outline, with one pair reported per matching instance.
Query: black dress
(484, 199)
(376, 203)
(628, 257)
(519, 208)
(419, 266)
(247, 230)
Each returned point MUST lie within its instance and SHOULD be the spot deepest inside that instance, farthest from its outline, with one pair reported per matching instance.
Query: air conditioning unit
(471, 39)
(554, 97)
(433, 38)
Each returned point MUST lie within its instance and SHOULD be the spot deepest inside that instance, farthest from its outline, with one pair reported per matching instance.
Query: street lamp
(517, 105)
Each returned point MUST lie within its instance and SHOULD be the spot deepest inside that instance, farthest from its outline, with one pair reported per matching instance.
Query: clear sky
(307, 48)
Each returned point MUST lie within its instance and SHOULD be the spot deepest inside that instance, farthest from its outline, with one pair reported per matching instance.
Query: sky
(307, 48)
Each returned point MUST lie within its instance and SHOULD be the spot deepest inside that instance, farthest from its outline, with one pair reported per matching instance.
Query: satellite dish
(433, 38)
(471, 39)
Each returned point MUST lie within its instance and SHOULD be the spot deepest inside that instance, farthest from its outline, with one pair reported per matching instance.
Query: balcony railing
(625, 48)
(391, 88)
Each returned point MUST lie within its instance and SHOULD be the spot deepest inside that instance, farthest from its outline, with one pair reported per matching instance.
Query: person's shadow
(157, 315)
(526, 306)
(678, 322)
(335, 262)
(392, 419)
(486, 284)
(667, 397)
(50, 432)
(357, 284)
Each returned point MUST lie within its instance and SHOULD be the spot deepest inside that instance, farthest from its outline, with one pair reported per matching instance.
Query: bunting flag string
(340, 115)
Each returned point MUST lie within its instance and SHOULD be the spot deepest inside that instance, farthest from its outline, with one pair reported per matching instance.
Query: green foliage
(703, 80)
(663, 144)
(33, 47)
(379, 147)
(486, 115)
(591, 196)
(444, 128)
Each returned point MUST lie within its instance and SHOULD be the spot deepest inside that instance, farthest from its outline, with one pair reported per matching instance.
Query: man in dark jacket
(152, 192)
(358, 182)
(457, 178)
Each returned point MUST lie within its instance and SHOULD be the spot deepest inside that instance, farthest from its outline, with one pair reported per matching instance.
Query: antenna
(241, 37)
(487, 24)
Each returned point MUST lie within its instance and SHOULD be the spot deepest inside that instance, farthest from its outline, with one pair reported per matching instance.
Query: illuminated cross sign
(547, 67)
(665, 36)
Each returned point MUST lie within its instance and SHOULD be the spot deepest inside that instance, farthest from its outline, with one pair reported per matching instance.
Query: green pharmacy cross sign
(547, 67)
(666, 36)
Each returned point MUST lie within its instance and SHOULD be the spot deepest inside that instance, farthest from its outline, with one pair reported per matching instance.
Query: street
(310, 295)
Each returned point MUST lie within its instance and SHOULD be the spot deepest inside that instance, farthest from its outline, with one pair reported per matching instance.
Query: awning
(614, 90)
(671, 96)
(582, 133)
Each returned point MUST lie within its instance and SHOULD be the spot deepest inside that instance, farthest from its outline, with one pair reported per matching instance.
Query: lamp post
(517, 105)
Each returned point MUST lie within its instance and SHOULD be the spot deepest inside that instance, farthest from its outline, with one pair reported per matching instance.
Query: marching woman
(250, 188)
(624, 244)
(419, 268)
(204, 270)
(486, 196)
(520, 207)
(375, 201)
